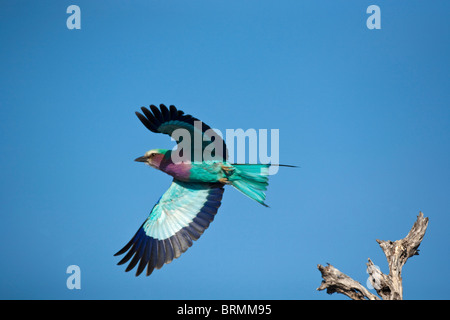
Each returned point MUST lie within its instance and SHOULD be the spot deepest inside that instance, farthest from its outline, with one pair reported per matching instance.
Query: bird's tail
(251, 180)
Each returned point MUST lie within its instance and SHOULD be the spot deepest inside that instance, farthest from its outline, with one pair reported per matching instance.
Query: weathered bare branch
(388, 287)
(380, 282)
(335, 281)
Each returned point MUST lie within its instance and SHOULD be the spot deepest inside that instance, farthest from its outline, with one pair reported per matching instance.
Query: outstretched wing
(180, 217)
(167, 120)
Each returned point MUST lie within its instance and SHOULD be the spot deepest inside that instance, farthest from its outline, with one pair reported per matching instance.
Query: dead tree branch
(388, 287)
(336, 281)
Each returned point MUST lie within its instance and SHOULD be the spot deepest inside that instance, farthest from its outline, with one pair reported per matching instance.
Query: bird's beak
(141, 159)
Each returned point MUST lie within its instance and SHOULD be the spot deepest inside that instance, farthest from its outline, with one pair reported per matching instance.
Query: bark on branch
(388, 287)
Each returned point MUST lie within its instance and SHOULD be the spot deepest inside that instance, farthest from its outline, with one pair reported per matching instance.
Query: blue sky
(364, 113)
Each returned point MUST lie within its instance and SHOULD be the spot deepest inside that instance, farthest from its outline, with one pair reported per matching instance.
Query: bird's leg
(224, 181)
(228, 170)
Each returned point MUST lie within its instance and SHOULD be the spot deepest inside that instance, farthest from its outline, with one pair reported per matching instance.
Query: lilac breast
(181, 171)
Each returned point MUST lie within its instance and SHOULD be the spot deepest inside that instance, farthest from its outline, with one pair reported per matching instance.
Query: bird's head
(153, 157)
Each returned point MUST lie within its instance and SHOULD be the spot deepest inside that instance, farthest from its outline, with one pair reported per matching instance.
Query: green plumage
(250, 179)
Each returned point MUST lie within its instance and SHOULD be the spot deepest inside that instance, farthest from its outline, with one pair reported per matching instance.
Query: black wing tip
(153, 116)
(161, 252)
(146, 121)
(163, 109)
(139, 115)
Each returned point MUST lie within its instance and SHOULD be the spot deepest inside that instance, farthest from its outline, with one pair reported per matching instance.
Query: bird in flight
(187, 208)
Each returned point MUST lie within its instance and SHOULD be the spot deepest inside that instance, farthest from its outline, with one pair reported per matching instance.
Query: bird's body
(212, 171)
(204, 171)
(187, 208)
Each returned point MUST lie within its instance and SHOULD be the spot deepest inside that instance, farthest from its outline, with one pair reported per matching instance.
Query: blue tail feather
(251, 180)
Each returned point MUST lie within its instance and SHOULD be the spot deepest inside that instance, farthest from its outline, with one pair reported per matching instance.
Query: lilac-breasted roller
(187, 208)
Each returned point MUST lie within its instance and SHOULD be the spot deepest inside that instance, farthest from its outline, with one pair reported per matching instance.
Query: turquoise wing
(167, 120)
(180, 217)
